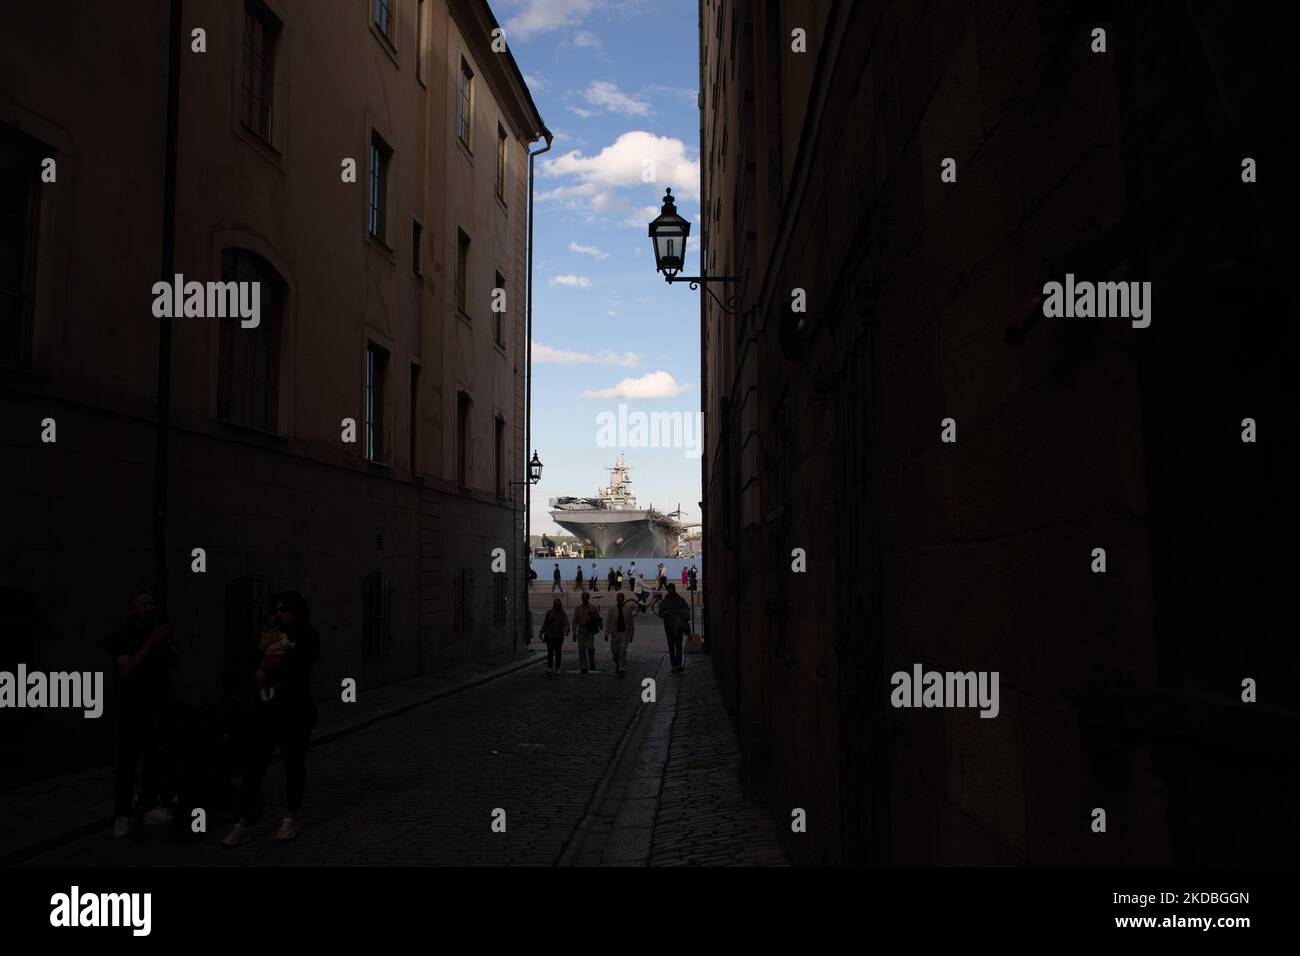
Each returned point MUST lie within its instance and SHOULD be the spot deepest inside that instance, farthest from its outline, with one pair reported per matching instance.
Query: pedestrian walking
(283, 719)
(595, 580)
(577, 580)
(557, 584)
(663, 578)
(612, 578)
(554, 629)
(620, 577)
(694, 578)
(143, 656)
(684, 575)
(586, 622)
(676, 614)
(619, 631)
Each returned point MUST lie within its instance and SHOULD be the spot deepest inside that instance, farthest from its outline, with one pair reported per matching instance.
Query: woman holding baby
(284, 713)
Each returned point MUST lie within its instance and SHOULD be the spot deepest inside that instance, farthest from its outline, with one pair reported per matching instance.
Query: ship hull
(630, 538)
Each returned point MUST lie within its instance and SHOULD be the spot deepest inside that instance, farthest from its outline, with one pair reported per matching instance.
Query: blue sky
(616, 83)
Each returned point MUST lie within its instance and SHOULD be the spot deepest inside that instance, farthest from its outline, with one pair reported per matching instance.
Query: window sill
(461, 315)
(384, 42)
(379, 466)
(464, 148)
(254, 429)
(263, 148)
(502, 203)
(381, 247)
(501, 349)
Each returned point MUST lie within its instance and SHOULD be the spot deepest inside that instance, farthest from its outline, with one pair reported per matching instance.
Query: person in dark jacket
(557, 580)
(285, 720)
(555, 627)
(676, 614)
(143, 657)
(613, 578)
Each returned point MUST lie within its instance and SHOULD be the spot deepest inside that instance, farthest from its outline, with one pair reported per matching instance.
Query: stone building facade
(376, 306)
(1122, 690)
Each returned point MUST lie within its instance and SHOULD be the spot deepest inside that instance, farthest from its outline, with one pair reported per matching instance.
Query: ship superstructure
(614, 524)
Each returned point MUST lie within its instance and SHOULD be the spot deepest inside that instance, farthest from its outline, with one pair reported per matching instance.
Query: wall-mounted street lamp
(534, 472)
(668, 235)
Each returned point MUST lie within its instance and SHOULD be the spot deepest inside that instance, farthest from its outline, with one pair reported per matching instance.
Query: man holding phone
(143, 656)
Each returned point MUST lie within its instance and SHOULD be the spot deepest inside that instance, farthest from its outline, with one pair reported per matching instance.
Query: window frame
(503, 164)
(465, 106)
(268, 335)
(375, 449)
(377, 180)
(498, 323)
(463, 247)
(272, 30)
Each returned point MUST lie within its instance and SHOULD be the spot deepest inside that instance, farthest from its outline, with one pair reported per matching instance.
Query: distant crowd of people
(616, 578)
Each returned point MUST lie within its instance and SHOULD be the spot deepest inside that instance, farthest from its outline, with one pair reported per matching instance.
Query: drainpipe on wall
(165, 324)
(528, 379)
(704, 312)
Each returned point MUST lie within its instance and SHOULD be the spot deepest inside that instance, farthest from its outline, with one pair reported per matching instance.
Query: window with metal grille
(377, 196)
(248, 360)
(465, 109)
(464, 587)
(376, 616)
(261, 37)
(20, 164)
(247, 604)
(500, 597)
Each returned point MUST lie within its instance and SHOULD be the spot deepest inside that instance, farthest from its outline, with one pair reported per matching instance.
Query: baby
(273, 644)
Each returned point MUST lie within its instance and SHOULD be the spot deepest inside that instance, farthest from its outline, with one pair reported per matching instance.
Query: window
(381, 11)
(498, 318)
(500, 597)
(499, 458)
(417, 233)
(380, 155)
(376, 615)
(248, 360)
(376, 382)
(261, 34)
(462, 269)
(502, 144)
(462, 439)
(20, 164)
(465, 112)
(413, 419)
(421, 35)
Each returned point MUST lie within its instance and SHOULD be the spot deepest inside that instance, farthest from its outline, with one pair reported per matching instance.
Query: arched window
(248, 375)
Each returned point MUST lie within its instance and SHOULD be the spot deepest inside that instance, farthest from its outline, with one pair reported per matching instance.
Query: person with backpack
(619, 631)
(586, 622)
(676, 614)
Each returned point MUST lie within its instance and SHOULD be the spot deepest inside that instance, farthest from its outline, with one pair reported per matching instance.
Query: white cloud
(585, 114)
(612, 312)
(605, 94)
(622, 164)
(582, 282)
(542, 16)
(586, 38)
(546, 355)
(651, 385)
(593, 251)
(536, 82)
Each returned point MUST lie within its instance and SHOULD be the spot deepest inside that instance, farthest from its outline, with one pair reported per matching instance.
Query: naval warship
(613, 524)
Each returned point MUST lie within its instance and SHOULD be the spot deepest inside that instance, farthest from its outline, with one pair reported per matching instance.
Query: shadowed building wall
(390, 537)
(822, 174)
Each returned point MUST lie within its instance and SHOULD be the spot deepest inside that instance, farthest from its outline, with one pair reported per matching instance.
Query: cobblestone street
(585, 772)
